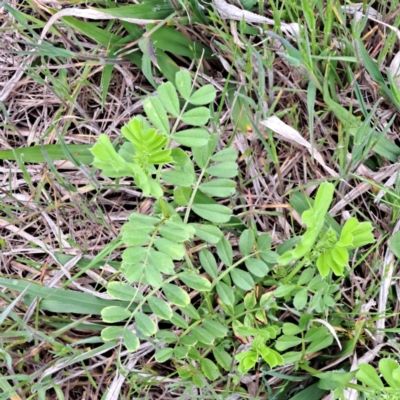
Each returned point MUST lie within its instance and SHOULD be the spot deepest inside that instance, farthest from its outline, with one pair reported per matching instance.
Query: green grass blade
(55, 152)
(153, 9)
(60, 300)
(175, 42)
(90, 30)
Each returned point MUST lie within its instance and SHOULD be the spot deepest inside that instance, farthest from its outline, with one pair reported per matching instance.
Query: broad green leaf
(396, 375)
(144, 219)
(199, 380)
(290, 329)
(178, 178)
(155, 111)
(182, 195)
(103, 150)
(131, 341)
(333, 380)
(183, 83)
(271, 357)
(174, 232)
(219, 187)
(284, 290)
(204, 95)
(190, 311)
(133, 131)
(300, 299)
(257, 267)
(242, 279)
(166, 336)
(226, 155)
(224, 251)
(314, 218)
(246, 242)
(324, 263)
(355, 234)
(184, 372)
(292, 357)
(162, 262)
(178, 321)
(133, 272)
(115, 314)
(169, 98)
(340, 256)
(202, 335)
(195, 137)
(208, 233)
(122, 291)
(132, 236)
(144, 324)
(198, 116)
(164, 354)
(322, 203)
(223, 170)
(180, 352)
(247, 360)
(201, 155)
(264, 241)
(188, 340)
(111, 333)
(306, 276)
(175, 251)
(225, 293)
(270, 257)
(195, 282)
(285, 342)
(208, 262)
(176, 295)
(320, 344)
(215, 327)
(210, 370)
(180, 157)
(367, 375)
(153, 276)
(387, 367)
(34, 154)
(160, 307)
(250, 300)
(211, 211)
(160, 157)
(223, 358)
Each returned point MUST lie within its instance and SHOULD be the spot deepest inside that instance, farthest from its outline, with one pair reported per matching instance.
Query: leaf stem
(196, 187)
(295, 270)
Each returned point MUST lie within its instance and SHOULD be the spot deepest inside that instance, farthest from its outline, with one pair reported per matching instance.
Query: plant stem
(296, 269)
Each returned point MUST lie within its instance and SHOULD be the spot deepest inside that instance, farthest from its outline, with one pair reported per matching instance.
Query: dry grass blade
(229, 11)
(289, 134)
(91, 14)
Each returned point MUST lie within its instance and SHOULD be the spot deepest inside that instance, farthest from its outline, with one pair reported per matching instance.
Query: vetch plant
(323, 246)
(196, 303)
(384, 384)
(136, 157)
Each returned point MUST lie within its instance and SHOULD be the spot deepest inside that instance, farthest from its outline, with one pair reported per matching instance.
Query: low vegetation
(199, 200)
